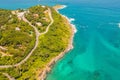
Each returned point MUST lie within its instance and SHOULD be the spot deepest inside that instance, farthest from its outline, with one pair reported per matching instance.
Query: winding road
(21, 15)
(8, 76)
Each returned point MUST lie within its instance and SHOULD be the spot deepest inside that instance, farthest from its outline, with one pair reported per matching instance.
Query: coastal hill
(31, 41)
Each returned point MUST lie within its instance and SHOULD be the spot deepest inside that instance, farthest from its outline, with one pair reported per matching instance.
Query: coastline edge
(47, 69)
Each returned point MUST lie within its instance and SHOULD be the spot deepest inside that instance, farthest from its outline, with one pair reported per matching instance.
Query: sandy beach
(48, 67)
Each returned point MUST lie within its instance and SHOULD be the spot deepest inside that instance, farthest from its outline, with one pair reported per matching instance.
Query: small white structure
(39, 24)
(17, 29)
(43, 6)
(13, 12)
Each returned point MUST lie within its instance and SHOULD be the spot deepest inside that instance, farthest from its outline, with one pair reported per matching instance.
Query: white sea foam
(64, 6)
(71, 19)
(75, 30)
(119, 25)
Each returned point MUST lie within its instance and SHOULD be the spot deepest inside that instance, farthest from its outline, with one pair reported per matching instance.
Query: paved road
(52, 21)
(21, 15)
(8, 76)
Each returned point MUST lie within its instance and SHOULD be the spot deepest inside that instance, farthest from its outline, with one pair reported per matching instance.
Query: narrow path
(52, 21)
(8, 76)
(36, 42)
(37, 39)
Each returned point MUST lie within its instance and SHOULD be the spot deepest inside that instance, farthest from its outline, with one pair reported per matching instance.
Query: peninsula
(32, 40)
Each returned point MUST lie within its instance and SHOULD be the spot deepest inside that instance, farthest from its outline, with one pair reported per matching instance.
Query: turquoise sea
(96, 53)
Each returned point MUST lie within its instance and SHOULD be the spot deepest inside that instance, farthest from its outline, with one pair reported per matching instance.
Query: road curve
(52, 21)
(37, 39)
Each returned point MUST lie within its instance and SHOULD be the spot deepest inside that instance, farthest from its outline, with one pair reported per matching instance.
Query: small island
(32, 40)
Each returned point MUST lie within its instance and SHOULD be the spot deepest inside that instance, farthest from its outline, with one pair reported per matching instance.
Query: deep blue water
(96, 53)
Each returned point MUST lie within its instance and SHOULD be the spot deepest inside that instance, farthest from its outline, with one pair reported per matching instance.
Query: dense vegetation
(38, 16)
(50, 45)
(2, 77)
(16, 38)
(4, 16)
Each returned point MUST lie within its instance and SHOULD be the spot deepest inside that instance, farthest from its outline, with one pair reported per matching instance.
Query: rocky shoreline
(48, 67)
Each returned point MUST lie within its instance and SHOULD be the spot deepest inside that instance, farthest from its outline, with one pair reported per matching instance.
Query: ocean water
(96, 53)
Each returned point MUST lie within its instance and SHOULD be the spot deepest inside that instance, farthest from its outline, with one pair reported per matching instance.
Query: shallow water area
(96, 52)
(96, 46)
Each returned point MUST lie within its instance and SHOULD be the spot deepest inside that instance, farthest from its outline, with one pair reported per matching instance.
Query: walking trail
(21, 16)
